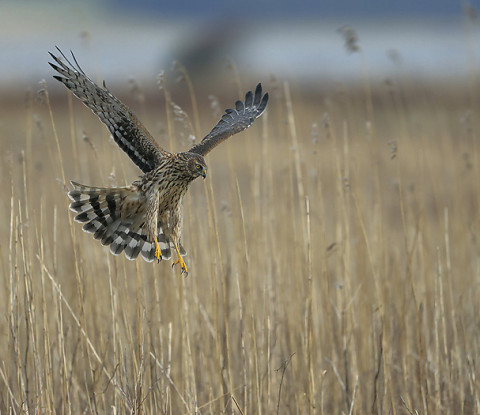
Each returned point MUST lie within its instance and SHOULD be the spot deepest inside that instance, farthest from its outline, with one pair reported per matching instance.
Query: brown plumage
(146, 217)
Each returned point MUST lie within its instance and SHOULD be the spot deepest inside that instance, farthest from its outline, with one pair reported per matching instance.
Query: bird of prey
(146, 217)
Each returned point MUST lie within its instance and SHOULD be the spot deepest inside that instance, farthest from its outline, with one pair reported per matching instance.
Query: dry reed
(327, 275)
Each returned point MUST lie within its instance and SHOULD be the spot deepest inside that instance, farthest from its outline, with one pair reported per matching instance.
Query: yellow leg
(180, 261)
(158, 252)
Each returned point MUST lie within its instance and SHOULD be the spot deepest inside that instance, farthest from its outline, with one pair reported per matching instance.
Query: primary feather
(131, 136)
(234, 120)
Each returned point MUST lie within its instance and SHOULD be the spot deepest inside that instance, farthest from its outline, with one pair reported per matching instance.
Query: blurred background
(333, 250)
(301, 40)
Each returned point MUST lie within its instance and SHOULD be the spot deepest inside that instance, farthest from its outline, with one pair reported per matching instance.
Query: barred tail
(116, 216)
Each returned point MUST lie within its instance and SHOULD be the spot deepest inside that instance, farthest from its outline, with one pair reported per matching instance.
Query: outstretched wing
(127, 131)
(234, 120)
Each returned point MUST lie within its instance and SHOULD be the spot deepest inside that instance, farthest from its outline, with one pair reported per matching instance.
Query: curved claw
(180, 261)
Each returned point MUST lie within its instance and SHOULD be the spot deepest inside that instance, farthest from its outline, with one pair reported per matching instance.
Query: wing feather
(131, 136)
(234, 120)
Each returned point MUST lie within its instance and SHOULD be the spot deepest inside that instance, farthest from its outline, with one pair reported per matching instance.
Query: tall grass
(332, 270)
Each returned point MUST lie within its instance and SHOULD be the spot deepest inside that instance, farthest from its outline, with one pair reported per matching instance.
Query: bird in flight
(146, 217)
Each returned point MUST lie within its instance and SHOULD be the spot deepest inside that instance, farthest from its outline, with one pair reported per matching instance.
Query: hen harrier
(145, 217)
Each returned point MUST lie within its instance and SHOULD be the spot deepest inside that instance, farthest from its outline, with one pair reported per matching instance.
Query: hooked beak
(204, 174)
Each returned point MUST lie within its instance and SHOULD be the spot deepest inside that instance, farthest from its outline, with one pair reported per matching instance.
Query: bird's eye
(198, 167)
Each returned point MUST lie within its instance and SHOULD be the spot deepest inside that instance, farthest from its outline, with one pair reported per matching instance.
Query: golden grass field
(333, 254)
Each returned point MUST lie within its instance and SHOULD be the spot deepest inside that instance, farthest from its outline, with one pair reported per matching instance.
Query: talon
(184, 269)
(180, 261)
(158, 251)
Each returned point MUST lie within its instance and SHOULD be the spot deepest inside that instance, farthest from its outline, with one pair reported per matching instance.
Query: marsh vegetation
(333, 254)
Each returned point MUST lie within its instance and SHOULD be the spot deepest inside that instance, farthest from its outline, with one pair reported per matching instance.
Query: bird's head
(196, 165)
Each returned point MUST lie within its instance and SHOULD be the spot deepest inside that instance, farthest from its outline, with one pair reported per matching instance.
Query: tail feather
(134, 243)
(164, 245)
(108, 236)
(100, 211)
(148, 251)
(133, 247)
